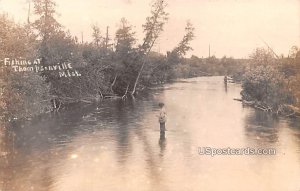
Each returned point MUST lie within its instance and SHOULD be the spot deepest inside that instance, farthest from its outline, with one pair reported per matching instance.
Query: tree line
(119, 69)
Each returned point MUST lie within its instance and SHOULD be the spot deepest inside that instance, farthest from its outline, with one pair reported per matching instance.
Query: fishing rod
(269, 47)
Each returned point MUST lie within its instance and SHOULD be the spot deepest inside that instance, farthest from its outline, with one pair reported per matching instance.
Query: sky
(232, 28)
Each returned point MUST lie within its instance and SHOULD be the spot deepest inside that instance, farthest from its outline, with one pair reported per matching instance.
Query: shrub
(265, 84)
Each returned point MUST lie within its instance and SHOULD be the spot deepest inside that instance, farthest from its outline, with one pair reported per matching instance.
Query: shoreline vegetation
(116, 66)
(271, 83)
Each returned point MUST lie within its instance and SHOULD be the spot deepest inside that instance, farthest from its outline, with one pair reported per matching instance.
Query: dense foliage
(271, 82)
(120, 67)
(22, 94)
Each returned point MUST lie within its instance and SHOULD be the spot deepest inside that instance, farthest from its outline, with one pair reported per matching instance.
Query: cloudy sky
(231, 27)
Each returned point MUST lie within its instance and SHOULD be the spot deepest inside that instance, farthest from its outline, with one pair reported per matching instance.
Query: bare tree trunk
(28, 15)
(141, 69)
(137, 78)
(101, 95)
(113, 83)
(125, 94)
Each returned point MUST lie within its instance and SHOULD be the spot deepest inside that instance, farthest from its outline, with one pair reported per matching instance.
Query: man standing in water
(162, 118)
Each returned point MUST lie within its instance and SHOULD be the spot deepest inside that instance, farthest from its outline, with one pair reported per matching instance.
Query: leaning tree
(152, 28)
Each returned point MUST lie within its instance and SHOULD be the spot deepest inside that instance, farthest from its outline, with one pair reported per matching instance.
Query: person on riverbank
(225, 79)
(162, 118)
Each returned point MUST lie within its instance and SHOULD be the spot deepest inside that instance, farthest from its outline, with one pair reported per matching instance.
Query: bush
(266, 85)
(22, 94)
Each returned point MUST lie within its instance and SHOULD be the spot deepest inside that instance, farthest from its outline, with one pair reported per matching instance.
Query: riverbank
(284, 110)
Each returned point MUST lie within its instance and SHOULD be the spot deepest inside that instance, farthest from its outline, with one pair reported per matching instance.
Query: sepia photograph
(149, 95)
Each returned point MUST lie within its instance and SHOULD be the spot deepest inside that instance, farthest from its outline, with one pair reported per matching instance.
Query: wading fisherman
(162, 118)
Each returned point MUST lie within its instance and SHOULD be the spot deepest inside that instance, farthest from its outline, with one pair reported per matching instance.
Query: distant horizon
(234, 28)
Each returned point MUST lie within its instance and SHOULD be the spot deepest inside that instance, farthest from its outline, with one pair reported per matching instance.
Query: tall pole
(209, 51)
(28, 16)
(81, 37)
(106, 40)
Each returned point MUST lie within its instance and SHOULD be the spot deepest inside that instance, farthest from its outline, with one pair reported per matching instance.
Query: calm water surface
(115, 145)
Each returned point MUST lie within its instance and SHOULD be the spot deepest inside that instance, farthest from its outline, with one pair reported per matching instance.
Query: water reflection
(116, 145)
(162, 144)
(225, 86)
(262, 127)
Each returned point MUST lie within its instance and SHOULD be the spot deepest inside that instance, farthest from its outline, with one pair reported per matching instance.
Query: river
(115, 145)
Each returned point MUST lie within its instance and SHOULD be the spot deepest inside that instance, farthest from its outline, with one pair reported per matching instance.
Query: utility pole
(106, 38)
(209, 51)
(158, 41)
(81, 37)
(28, 16)
(159, 48)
